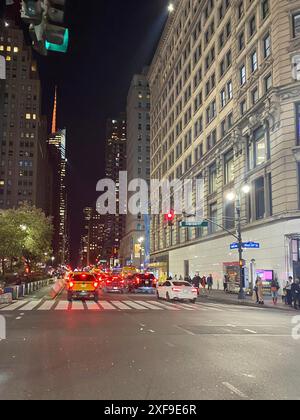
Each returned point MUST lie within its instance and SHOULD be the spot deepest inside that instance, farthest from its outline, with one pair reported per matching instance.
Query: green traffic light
(59, 47)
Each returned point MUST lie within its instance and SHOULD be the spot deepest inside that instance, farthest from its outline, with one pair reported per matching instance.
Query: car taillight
(176, 289)
(96, 284)
(71, 285)
(194, 290)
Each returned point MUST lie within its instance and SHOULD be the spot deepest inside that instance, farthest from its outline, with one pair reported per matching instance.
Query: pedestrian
(296, 293)
(203, 285)
(288, 289)
(210, 282)
(259, 291)
(274, 290)
(196, 282)
(225, 283)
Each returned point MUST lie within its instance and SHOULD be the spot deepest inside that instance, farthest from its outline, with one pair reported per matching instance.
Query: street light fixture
(141, 241)
(245, 189)
(171, 8)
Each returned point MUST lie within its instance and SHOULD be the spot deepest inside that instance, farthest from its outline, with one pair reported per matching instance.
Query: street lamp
(171, 8)
(245, 189)
(141, 241)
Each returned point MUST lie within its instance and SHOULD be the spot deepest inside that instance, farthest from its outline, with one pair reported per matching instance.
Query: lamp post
(245, 189)
(141, 241)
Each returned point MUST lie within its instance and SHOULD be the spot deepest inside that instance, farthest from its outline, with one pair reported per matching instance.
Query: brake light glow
(96, 284)
(71, 285)
(194, 290)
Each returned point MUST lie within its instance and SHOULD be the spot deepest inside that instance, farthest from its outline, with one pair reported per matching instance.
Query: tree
(25, 232)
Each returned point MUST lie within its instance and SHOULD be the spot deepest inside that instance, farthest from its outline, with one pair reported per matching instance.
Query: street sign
(245, 245)
(193, 224)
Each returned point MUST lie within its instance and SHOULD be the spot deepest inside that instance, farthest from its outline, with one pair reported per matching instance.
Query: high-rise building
(57, 152)
(92, 241)
(135, 245)
(23, 129)
(115, 155)
(225, 108)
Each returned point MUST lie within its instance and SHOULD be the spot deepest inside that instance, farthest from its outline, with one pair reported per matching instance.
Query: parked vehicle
(177, 290)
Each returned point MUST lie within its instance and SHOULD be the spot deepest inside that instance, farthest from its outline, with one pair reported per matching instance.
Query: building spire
(54, 118)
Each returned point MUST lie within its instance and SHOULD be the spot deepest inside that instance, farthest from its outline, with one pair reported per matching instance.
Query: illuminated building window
(28, 116)
(8, 58)
(16, 49)
(2, 183)
(34, 116)
(8, 49)
(1, 48)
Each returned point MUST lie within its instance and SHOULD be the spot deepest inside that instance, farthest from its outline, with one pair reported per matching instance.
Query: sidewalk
(232, 299)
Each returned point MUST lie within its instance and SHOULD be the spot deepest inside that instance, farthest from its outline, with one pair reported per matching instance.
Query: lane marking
(63, 305)
(213, 308)
(31, 305)
(168, 307)
(250, 331)
(121, 306)
(235, 390)
(77, 306)
(135, 305)
(15, 305)
(47, 306)
(149, 305)
(186, 331)
(107, 306)
(92, 306)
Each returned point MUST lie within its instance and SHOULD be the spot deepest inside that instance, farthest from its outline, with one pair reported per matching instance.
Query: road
(129, 347)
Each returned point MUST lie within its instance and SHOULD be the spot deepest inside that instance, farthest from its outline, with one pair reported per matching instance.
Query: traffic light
(170, 217)
(46, 29)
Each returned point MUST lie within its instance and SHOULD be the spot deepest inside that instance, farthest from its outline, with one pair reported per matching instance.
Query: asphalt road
(125, 350)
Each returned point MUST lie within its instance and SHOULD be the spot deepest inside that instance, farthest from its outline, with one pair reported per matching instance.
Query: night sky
(110, 41)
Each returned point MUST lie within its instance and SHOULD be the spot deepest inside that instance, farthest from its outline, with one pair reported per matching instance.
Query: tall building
(23, 129)
(115, 161)
(136, 242)
(57, 152)
(225, 108)
(92, 241)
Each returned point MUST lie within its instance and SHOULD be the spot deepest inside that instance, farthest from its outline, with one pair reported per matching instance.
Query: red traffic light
(169, 217)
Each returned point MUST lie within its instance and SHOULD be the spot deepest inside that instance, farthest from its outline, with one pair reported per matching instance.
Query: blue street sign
(245, 245)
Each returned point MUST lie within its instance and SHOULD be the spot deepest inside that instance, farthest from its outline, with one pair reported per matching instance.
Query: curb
(242, 303)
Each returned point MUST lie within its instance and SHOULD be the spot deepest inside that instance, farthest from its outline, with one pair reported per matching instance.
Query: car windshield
(182, 284)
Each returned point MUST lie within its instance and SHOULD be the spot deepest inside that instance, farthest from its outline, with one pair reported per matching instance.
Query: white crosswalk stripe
(135, 305)
(107, 306)
(47, 306)
(114, 305)
(31, 305)
(120, 305)
(15, 305)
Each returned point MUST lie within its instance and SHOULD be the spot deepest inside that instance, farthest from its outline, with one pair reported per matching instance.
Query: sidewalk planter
(6, 298)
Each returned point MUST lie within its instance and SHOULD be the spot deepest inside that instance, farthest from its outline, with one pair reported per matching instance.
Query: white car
(177, 290)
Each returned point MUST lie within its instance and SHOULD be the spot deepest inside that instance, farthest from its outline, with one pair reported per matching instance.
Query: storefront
(159, 266)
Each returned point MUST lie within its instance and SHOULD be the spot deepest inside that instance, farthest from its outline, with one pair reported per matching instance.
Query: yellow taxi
(83, 286)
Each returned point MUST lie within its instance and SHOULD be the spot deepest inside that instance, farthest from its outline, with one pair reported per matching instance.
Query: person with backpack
(210, 282)
(274, 290)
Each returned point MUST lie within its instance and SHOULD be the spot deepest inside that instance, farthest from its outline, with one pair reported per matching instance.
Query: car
(114, 283)
(142, 282)
(83, 286)
(177, 290)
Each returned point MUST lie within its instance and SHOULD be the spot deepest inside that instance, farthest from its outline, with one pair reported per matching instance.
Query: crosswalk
(112, 306)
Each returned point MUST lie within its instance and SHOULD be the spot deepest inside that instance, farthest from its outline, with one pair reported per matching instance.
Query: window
(296, 24)
(257, 152)
(243, 107)
(243, 75)
(223, 98)
(267, 46)
(252, 26)
(229, 90)
(265, 8)
(268, 82)
(254, 64)
(260, 198)
(241, 40)
(229, 215)
(240, 9)
(255, 96)
(212, 178)
(213, 215)
(228, 167)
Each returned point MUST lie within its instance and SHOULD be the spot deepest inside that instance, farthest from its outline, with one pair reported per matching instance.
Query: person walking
(196, 282)
(260, 291)
(203, 285)
(210, 283)
(296, 293)
(274, 290)
(288, 289)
